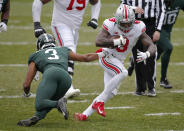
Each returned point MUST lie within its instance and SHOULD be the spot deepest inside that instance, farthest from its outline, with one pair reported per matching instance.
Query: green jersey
(172, 11)
(2, 4)
(50, 57)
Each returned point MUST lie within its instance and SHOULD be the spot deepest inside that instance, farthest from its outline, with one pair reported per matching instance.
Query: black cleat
(140, 93)
(28, 122)
(131, 66)
(152, 92)
(165, 83)
(61, 106)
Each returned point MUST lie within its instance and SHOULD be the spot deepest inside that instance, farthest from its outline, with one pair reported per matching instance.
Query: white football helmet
(124, 15)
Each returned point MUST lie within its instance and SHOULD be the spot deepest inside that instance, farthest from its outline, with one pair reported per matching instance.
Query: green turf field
(135, 113)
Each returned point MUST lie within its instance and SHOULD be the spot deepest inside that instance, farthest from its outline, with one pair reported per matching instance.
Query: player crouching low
(52, 62)
(117, 37)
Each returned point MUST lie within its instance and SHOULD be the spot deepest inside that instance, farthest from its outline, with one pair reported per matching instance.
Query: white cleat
(72, 93)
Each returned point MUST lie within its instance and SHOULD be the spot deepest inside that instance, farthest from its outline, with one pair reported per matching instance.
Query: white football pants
(114, 74)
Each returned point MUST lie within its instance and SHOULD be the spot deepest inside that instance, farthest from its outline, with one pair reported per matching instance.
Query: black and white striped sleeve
(160, 13)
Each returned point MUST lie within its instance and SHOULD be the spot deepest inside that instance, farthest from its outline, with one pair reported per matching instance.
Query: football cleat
(28, 122)
(61, 106)
(80, 117)
(99, 107)
(140, 93)
(72, 93)
(152, 92)
(165, 83)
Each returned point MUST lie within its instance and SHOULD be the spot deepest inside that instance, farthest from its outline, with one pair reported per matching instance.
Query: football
(114, 37)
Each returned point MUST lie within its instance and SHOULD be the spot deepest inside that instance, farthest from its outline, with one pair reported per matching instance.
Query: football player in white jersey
(4, 11)
(66, 20)
(117, 37)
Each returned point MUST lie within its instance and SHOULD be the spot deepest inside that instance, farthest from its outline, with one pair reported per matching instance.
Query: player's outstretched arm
(85, 57)
(29, 77)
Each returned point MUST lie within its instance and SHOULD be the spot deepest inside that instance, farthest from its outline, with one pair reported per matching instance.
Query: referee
(151, 12)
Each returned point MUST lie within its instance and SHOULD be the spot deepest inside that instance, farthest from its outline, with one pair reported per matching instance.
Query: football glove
(104, 53)
(93, 23)
(121, 41)
(3, 27)
(38, 29)
(142, 56)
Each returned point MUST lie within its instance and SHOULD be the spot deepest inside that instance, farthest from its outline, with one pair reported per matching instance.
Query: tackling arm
(83, 58)
(29, 77)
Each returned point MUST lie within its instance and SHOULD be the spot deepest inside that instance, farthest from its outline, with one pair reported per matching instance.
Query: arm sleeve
(36, 10)
(160, 7)
(95, 10)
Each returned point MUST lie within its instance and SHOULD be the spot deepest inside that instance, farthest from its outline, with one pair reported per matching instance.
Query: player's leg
(43, 103)
(48, 92)
(89, 111)
(65, 36)
(166, 46)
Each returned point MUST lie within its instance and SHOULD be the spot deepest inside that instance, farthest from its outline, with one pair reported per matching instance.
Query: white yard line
(121, 107)
(86, 94)
(163, 114)
(88, 64)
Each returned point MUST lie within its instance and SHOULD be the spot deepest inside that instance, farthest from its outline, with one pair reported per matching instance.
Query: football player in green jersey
(53, 63)
(4, 10)
(164, 45)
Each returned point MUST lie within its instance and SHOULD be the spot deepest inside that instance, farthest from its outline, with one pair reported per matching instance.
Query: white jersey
(132, 36)
(69, 12)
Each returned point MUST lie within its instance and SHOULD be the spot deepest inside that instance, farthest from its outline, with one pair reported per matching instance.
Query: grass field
(134, 113)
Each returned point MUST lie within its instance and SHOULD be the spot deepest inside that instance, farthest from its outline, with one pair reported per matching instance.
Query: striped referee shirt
(152, 9)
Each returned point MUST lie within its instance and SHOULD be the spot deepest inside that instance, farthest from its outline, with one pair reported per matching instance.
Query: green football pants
(54, 84)
(164, 48)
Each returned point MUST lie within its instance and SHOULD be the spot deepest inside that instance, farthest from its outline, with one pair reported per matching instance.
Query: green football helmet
(45, 40)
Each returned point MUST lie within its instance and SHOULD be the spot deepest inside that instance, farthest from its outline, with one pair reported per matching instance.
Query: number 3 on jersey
(80, 2)
(53, 54)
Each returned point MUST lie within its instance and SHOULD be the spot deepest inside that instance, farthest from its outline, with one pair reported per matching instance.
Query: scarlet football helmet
(124, 17)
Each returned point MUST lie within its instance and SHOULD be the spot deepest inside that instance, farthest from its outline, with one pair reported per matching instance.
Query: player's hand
(156, 36)
(121, 41)
(93, 23)
(142, 56)
(3, 27)
(139, 10)
(104, 53)
(38, 29)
